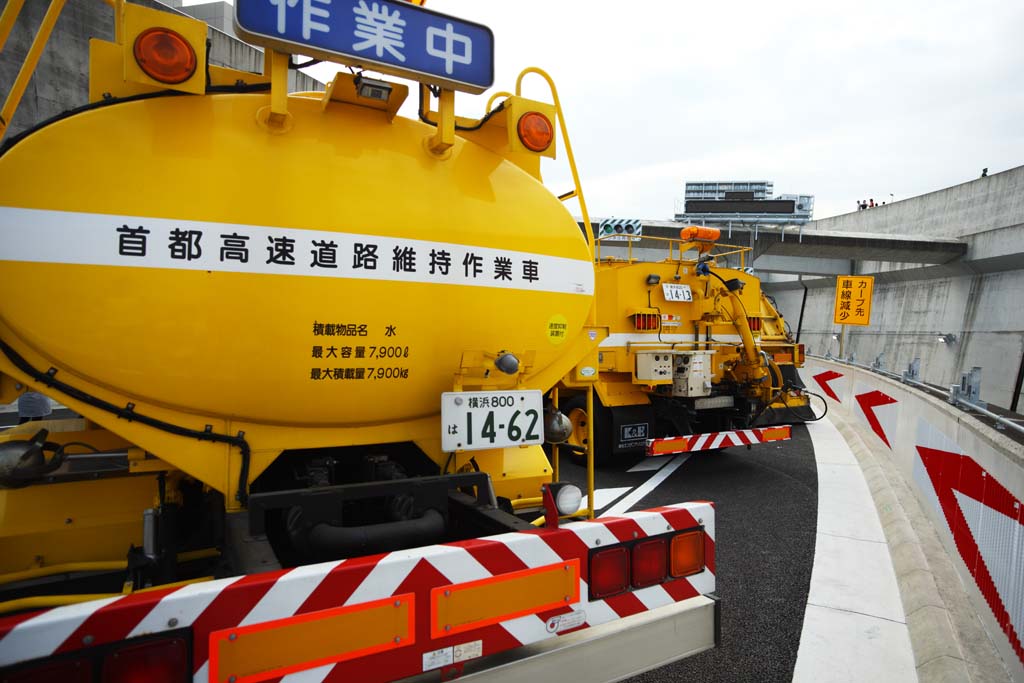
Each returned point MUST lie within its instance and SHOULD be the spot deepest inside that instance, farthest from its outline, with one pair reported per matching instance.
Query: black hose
(326, 541)
(478, 125)
(128, 413)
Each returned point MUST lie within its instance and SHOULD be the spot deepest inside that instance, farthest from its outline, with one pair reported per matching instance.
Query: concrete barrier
(967, 480)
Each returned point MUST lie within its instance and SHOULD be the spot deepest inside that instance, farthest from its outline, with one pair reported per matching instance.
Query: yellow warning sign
(558, 329)
(853, 299)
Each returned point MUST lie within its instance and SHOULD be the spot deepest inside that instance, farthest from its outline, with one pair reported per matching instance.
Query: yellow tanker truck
(310, 343)
(697, 357)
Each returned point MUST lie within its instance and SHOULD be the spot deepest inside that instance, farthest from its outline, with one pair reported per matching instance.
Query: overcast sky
(845, 101)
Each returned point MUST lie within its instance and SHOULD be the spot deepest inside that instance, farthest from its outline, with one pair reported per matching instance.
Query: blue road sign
(392, 37)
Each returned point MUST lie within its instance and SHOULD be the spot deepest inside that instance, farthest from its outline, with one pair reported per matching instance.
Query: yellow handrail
(568, 145)
(8, 18)
(31, 59)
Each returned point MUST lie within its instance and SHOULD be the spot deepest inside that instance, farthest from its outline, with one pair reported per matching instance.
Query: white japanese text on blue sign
(395, 37)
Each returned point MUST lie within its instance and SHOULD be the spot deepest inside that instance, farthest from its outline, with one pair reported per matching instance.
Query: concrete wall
(983, 311)
(976, 206)
(968, 479)
(978, 298)
(61, 80)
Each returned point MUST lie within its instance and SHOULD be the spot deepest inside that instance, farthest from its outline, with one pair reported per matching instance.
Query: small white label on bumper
(470, 650)
(564, 622)
(437, 658)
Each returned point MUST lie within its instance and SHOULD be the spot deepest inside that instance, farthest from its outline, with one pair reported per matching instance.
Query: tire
(576, 410)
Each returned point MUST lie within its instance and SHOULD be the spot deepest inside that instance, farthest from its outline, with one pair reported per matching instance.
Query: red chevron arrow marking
(868, 402)
(823, 378)
(952, 474)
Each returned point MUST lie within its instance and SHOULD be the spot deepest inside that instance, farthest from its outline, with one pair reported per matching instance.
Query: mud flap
(631, 427)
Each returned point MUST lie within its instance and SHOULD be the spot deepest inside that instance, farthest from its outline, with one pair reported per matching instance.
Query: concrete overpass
(778, 249)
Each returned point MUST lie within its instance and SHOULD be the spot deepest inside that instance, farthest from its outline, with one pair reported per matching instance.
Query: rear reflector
(461, 607)
(151, 661)
(646, 321)
(688, 553)
(68, 671)
(650, 562)
(609, 572)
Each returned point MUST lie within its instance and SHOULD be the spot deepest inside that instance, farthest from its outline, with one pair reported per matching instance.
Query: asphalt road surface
(766, 502)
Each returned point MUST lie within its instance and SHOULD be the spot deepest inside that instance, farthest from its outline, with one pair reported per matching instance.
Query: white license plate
(674, 292)
(475, 420)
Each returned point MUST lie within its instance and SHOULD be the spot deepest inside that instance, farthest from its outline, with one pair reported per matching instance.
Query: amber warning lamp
(165, 55)
(535, 131)
(700, 233)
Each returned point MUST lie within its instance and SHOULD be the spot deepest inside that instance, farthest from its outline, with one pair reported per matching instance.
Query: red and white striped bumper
(713, 440)
(401, 589)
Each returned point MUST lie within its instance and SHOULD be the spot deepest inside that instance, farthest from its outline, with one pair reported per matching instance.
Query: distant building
(219, 14)
(721, 202)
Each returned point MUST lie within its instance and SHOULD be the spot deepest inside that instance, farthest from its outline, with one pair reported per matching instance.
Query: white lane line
(639, 492)
(605, 497)
(655, 462)
(854, 620)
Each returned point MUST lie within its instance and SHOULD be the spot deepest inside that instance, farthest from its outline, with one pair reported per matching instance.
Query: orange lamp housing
(535, 131)
(687, 555)
(165, 56)
(699, 233)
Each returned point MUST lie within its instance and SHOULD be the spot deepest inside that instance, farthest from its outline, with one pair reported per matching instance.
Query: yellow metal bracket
(444, 138)
(276, 117)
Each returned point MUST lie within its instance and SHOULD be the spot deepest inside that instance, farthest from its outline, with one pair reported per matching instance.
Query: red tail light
(650, 562)
(799, 354)
(68, 671)
(755, 324)
(609, 572)
(645, 321)
(152, 661)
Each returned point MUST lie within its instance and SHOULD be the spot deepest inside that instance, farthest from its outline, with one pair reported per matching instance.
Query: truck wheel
(576, 410)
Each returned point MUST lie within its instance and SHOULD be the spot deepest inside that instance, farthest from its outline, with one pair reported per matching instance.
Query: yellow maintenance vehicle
(697, 356)
(311, 345)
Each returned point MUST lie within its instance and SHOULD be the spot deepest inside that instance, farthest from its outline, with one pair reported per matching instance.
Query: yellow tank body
(238, 340)
(292, 353)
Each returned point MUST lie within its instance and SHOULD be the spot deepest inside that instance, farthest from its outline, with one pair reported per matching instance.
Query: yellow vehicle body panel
(240, 351)
(82, 521)
(710, 321)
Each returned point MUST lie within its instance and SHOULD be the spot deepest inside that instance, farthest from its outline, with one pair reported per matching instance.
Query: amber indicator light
(165, 56)
(535, 131)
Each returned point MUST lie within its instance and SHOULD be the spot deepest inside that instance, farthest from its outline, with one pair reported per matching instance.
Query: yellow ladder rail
(31, 59)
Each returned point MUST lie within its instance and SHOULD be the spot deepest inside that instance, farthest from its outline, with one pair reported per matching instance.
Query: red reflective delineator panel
(713, 440)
